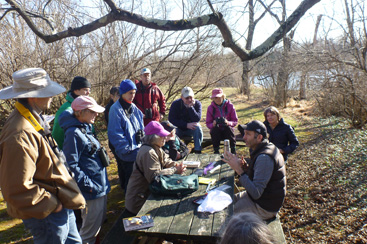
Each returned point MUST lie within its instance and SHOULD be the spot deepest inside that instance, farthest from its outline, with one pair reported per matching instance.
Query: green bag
(174, 185)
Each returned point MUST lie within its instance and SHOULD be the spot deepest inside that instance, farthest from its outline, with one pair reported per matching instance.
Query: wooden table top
(178, 218)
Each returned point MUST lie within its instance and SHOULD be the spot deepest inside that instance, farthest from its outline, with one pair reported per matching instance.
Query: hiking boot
(216, 150)
(197, 151)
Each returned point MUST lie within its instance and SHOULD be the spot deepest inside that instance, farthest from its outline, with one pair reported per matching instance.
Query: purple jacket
(226, 110)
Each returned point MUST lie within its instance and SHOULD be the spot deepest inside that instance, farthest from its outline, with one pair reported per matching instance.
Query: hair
(115, 90)
(247, 228)
(272, 110)
(150, 139)
(78, 113)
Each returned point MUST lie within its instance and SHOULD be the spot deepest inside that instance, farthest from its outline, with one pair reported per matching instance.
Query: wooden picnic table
(176, 218)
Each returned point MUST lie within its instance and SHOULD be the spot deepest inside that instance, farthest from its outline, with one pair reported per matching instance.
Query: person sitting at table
(221, 117)
(247, 228)
(264, 178)
(150, 162)
(174, 147)
(281, 134)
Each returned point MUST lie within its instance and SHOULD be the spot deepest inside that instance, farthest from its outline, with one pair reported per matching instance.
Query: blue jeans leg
(197, 135)
(56, 228)
(198, 138)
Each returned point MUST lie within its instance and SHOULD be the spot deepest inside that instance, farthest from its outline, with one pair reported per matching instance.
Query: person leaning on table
(151, 161)
(264, 178)
(34, 181)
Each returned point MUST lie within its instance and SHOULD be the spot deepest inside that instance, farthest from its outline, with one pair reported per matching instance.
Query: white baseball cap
(187, 92)
(145, 71)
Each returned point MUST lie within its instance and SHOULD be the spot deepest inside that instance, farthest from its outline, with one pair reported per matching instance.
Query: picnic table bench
(176, 219)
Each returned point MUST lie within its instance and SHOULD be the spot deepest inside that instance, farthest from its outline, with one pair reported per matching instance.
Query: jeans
(217, 134)
(197, 134)
(55, 228)
(120, 168)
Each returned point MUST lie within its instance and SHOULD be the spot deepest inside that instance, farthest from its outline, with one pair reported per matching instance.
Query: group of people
(44, 174)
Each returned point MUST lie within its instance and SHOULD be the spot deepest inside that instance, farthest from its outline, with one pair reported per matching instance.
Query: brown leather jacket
(32, 179)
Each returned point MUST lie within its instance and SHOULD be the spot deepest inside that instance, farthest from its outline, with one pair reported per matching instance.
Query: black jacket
(283, 137)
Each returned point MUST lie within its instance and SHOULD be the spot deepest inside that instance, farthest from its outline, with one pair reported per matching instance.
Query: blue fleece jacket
(122, 128)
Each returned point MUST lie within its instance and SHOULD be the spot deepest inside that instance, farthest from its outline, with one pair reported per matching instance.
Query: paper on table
(215, 201)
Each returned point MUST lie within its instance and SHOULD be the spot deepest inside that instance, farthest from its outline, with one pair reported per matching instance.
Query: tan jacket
(152, 161)
(32, 179)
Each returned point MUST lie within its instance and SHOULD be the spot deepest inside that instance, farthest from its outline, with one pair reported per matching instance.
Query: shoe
(216, 152)
(197, 151)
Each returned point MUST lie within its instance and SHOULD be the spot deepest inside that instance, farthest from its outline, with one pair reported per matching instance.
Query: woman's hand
(180, 168)
(214, 123)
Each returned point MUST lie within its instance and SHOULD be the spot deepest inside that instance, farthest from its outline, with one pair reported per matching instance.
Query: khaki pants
(93, 216)
(243, 203)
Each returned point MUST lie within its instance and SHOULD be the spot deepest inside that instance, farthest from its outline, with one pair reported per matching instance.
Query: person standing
(79, 86)
(264, 178)
(149, 98)
(34, 181)
(125, 130)
(221, 118)
(185, 114)
(81, 148)
(114, 96)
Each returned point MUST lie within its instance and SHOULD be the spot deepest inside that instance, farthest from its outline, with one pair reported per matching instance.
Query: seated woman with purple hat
(174, 147)
(221, 118)
(150, 162)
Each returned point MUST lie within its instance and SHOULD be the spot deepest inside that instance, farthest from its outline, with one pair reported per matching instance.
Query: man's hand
(214, 122)
(161, 116)
(234, 162)
(192, 125)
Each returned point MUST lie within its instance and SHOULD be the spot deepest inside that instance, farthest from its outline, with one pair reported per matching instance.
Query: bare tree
(115, 13)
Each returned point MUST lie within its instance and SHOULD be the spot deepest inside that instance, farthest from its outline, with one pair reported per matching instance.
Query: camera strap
(28, 116)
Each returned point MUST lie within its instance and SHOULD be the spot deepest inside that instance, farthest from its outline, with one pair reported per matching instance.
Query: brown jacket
(32, 179)
(152, 161)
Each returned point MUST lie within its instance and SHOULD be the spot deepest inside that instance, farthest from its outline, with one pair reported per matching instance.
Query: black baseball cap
(168, 126)
(254, 125)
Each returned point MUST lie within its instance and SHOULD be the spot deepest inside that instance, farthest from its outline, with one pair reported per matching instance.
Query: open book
(138, 222)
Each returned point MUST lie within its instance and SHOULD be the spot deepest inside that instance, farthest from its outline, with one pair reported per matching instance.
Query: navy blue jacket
(283, 137)
(84, 162)
(180, 115)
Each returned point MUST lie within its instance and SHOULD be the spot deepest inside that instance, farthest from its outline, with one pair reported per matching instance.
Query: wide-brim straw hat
(31, 82)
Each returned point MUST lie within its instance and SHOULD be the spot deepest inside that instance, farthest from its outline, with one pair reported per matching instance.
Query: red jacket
(150, 97)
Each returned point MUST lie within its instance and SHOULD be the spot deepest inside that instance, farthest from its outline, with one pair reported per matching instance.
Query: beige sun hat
(31, 82)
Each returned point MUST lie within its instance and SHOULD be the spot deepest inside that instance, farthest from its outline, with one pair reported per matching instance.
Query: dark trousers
(218, 134)
(124, 168)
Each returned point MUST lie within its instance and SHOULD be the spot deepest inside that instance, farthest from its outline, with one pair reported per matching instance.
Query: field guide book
(191, 164)
(138, 222)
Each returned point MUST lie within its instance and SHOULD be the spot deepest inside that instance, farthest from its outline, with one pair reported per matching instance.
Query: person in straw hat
(34, 180)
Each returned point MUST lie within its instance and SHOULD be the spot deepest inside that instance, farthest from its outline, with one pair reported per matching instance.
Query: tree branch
(283, 29)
